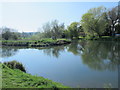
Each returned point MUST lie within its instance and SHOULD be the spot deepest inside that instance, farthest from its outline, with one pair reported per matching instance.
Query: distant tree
(9, 34)
(53, 30)
(57, 29)
(47, 30)
(6, 34)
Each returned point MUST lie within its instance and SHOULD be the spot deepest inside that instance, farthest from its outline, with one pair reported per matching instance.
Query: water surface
(85, 64)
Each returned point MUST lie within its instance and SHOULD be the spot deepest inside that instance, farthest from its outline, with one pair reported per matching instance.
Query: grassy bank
(50, 42)
(14, 78)
(102, 38)
(35, 43)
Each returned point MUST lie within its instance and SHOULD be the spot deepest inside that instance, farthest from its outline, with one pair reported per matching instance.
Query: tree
(53, 29)
(87, 23)
(117, 28)
(47, 30)
(74, 30)
(65, 34)
(94, 22)
(57, 29)
(8, 33)
(114, 17)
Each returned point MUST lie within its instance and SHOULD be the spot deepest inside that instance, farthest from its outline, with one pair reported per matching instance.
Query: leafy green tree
(66, 34)
(87, 23)
(74, 30)
(94, 22)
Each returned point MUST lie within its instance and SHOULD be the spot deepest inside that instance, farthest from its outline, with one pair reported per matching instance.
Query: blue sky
(29, 16)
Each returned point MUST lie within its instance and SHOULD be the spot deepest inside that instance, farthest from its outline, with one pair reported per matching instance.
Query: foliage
(97, 22)
(88, 24)
(15, 65)
(94, 22)
(52, 30)
(74, 30)
(117, 28)
(113, 18)
(9, 34)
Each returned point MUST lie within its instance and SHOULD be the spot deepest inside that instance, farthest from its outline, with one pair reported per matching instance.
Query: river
(85, 64)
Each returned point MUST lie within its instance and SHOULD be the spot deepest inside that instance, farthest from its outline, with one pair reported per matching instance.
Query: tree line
(12, 34)
(97, 22)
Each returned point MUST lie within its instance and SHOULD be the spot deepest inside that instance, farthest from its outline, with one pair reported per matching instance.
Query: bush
(15, 65)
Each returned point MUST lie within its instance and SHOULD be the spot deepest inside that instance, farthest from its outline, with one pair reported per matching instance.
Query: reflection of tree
(54, 51)
(75, 48)
(97, 55)
(8, 51)
(102, 55)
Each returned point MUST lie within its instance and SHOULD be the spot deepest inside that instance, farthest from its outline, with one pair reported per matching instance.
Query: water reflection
(96, 55)
(8, 51)
(54, 51)
(76, 48)
(102, 55)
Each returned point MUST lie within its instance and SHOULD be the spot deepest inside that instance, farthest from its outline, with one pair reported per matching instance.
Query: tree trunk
(113, 27)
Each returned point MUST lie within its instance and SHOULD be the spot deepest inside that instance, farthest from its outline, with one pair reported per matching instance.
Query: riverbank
(36, 43)
(50, 42)
(14, 78)
(102, 38)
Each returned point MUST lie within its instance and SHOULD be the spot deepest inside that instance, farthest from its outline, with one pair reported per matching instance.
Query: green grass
(103, 38)
(14, 78)
(35, 43)
(41, 40)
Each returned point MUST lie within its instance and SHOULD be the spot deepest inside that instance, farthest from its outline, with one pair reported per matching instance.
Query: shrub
(15, 65)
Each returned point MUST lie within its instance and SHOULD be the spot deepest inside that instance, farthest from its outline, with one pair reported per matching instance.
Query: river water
(85, 64)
